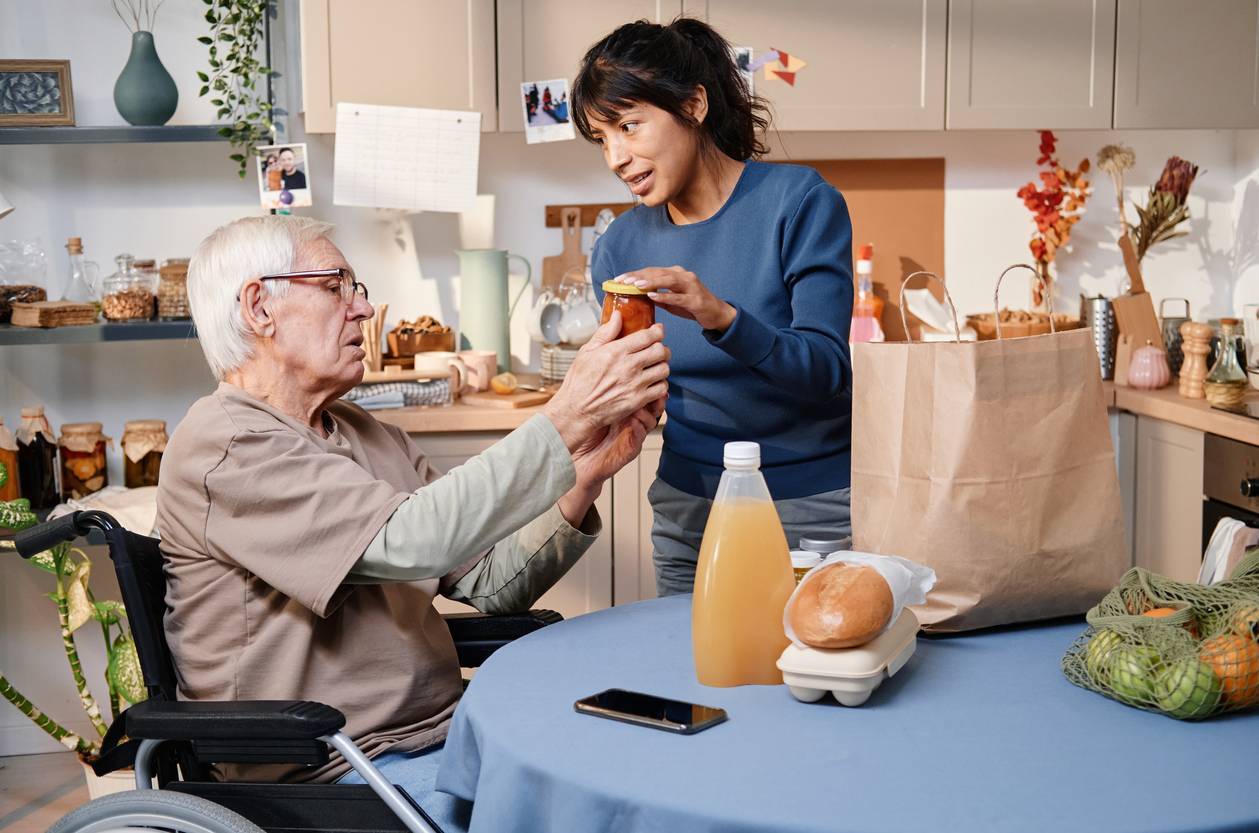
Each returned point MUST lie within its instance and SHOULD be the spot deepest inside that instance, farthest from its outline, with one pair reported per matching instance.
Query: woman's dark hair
(644, 62)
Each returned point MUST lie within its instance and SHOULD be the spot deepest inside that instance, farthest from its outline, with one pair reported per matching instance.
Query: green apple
(1132, 672)
(1187, 688)
(1098, 655)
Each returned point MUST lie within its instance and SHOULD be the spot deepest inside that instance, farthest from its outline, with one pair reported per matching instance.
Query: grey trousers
(678, 521)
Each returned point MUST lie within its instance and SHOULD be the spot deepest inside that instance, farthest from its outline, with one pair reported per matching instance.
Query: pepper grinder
(1197, 344)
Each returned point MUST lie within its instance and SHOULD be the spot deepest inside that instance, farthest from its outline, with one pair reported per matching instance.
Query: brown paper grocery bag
(990, 462)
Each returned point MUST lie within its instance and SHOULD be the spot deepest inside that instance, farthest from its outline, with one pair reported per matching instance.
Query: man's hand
(685, 296)
(603, 455)
(610, 380)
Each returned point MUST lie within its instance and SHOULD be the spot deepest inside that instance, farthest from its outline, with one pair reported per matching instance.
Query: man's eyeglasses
(348, 286)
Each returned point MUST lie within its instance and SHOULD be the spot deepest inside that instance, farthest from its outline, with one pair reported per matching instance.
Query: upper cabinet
(871, 64)
(539, 40)
(409, 53)
(1031, 64)
(1187, 64)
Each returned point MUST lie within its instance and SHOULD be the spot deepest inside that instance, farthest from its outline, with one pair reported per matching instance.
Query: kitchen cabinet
(1123, 438)
(635, 574)
(408, 53)
(544, 39)
(1168, 521)
(587, 586)
(1191, 65)
(872, 64)
(1031, 64)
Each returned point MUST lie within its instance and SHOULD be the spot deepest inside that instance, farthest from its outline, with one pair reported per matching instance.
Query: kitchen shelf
(108, 134)
(95, 333)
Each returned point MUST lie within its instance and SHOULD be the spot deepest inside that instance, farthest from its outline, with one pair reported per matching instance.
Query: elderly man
(306, 540)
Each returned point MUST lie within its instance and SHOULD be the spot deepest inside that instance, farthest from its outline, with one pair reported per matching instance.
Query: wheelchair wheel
(140, 811)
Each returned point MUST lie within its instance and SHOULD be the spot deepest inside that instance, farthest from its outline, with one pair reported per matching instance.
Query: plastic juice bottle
(743, 581)
(867, 308)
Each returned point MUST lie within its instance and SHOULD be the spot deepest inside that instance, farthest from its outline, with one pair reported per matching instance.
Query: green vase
(145, 93)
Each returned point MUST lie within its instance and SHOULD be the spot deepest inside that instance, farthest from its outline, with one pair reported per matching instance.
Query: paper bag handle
(996, 296)
(957, 328)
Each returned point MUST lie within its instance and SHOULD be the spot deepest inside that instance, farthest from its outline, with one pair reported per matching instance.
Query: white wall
(158, 200)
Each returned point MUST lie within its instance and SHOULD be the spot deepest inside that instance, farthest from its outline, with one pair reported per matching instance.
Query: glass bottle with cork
(83, 469)
(1226, 383)
(143, 443)
(37, 459)
(84, 275)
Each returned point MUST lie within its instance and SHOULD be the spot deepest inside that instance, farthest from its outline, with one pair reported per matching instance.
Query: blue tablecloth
(977, 733)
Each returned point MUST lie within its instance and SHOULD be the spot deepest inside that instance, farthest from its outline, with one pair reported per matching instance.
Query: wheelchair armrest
(239, 719)
(477, 635)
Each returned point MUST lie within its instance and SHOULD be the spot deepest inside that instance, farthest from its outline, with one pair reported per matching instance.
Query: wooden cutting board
(519, 399)
(571, 257)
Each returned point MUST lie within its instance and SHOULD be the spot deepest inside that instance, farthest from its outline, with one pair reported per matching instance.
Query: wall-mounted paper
(406, 157)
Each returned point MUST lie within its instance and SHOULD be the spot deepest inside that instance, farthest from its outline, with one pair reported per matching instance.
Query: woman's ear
(697, 105)
(255, 309)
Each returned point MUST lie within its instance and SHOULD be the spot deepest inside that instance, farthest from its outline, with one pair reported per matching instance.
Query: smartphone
(649, 710)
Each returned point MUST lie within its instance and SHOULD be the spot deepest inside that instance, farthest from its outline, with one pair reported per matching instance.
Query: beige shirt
(263, 520)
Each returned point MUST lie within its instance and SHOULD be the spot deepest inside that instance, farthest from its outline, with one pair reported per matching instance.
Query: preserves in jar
(637, 310)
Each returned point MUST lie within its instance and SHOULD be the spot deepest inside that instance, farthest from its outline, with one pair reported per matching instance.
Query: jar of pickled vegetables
(82, 459)
(143, 442)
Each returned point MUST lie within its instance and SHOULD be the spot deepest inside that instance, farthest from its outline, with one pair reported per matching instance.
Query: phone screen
(650, 710)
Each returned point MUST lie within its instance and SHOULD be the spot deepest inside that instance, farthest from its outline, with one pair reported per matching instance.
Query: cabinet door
(587, 586)
(539, 40)
(635, 577)
(1169, 499)
(1031, 64)
(406, 53)
(871, 64)
(1187, 64)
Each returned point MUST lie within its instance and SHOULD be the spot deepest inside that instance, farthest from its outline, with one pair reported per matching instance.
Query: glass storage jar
(637, 310)
(127, 295)
(82, 459)
(37, 459)
(172, 290)
(8, 458)
(143, 442)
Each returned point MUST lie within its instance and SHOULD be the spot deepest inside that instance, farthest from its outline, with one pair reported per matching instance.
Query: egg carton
(850, 674)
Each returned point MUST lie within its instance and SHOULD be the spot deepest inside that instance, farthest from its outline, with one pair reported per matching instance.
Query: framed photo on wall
(35, 93)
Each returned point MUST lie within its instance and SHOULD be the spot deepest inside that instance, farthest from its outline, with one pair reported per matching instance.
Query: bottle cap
(75, 245)
(618, 288)
(825, 546)
(742, 455)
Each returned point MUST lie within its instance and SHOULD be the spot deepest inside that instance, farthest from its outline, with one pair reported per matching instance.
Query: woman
(750, 266)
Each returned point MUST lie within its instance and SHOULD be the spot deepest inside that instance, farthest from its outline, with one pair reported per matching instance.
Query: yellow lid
(622, 288)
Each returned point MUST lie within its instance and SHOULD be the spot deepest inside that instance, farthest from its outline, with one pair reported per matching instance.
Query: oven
(1230, 483)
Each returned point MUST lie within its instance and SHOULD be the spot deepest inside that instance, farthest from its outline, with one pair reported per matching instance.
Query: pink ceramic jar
(1149, 369)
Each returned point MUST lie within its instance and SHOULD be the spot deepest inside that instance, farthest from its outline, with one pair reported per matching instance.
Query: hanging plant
(237, 80)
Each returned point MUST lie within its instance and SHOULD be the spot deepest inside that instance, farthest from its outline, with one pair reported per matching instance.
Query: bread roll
(842, 606)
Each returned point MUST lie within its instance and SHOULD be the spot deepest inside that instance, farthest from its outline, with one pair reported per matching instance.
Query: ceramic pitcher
(484, 311)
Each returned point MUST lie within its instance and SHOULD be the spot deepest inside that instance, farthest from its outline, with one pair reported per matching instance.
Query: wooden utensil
(520, 399)
(571, 257)
(1197, 344)
(372, 328)
(1133, 266)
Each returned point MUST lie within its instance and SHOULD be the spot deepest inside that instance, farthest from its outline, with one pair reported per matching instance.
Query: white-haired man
(306, 540)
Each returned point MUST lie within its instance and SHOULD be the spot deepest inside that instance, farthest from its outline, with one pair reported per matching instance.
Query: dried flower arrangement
(1165, 205)
(1056, 206)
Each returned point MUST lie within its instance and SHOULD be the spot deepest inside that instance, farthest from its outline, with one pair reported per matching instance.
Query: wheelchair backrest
(138, 564)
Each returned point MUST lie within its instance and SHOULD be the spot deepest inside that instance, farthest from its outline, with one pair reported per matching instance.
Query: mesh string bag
(1183, 649)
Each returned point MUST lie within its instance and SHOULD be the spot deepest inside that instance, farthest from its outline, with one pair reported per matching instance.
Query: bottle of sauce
(867, 308)
(743, 581)
(37, 459)
(638, 312)
(9, 489)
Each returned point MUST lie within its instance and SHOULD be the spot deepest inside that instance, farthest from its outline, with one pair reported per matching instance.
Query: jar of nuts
(127, 295)
(172, 290)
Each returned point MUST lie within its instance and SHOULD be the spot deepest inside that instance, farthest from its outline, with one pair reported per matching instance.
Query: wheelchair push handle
(35, 540)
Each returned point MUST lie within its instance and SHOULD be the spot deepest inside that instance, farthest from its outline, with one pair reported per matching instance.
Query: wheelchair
(175, 742)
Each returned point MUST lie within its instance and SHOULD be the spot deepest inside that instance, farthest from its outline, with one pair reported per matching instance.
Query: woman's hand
(686, 296)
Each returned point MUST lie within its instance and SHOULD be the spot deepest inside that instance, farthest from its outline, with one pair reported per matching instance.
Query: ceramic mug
(481, 365)
(438, 363)
(544, 318)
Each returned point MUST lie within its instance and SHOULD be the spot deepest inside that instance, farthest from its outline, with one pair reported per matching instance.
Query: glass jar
(22, 270)
(9, 489)
(1226, 383)
(37, 459)
(637, 310)
(143, 441)
(172, 290)
(127, 295)
(82, 459)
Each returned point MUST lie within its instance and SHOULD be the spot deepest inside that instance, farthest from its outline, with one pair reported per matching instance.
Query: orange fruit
(1160, 612)
(1235, 660)
(1246, 622)
(504, 383)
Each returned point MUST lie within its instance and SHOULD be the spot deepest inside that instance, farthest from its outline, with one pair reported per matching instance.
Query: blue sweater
(780, 252)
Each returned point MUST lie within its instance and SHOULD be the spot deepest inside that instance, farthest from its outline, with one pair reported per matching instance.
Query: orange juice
(742, 583)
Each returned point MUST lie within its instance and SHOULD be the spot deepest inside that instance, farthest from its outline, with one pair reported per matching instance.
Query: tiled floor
(36, 790)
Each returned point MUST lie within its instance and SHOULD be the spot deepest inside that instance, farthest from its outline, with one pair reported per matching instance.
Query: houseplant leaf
(80, 607)
(124, 672)
(109, 612)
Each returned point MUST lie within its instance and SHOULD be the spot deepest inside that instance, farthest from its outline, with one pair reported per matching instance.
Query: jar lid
(31, 413)
(144, 425)
(1232, 322)
(825, 546)
(805, 560)
(81, 428)
(618, 288)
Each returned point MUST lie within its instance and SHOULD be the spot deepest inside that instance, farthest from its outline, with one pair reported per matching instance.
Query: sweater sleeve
(809, 359)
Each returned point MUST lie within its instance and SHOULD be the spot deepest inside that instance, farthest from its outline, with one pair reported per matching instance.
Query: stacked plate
(556, 360)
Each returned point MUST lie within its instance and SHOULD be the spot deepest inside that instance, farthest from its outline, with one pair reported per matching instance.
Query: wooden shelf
(96, 333)
(109, 134)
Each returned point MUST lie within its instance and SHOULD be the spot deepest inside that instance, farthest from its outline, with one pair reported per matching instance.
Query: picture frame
(35, 93)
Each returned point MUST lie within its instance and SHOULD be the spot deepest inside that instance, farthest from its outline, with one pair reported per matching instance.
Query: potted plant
(71, 570)
(237, 28)
(1056, 206)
